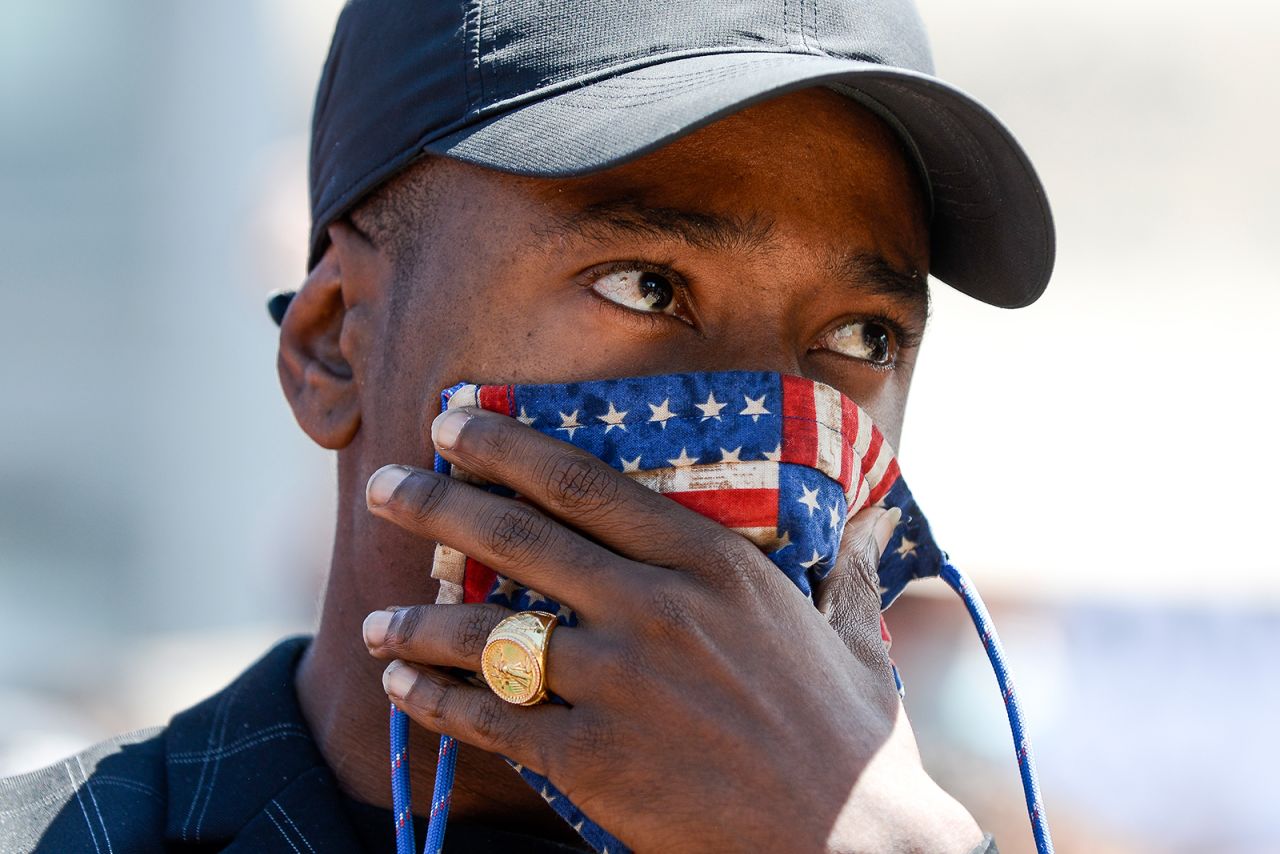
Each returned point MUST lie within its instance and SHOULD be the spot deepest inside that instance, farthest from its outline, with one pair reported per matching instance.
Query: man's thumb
(849, 595)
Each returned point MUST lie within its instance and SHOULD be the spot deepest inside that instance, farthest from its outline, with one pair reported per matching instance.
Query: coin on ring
(514, 660)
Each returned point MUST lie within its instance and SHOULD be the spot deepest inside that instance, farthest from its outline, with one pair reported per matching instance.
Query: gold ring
(514, 661)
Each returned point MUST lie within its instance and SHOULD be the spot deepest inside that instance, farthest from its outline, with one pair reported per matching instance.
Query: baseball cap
(557, 88)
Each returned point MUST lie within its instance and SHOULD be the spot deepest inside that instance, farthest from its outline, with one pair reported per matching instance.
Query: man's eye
(865, 340)
(640, 290)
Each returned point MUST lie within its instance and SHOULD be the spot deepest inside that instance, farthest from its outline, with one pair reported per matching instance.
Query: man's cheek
(554, 334)
(882, 395)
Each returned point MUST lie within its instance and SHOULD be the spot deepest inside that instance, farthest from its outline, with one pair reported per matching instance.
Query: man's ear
(320, 337)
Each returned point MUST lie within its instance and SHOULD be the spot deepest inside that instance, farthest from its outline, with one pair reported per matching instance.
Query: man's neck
(340, 690)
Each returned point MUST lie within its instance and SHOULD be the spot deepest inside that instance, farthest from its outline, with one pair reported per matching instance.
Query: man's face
(790, 237)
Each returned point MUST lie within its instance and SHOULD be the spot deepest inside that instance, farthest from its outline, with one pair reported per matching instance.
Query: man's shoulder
(110, 796)
(237, 770)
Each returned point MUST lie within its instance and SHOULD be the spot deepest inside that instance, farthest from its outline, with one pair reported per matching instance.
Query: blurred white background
(1102, 463)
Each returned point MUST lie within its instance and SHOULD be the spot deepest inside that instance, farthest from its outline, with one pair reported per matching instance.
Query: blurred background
(1103, 463)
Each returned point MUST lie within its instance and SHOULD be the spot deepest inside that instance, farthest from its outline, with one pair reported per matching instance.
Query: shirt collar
(243, 769)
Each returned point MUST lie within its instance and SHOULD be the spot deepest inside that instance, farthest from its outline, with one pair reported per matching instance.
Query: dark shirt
(239, 772)
(374, 827)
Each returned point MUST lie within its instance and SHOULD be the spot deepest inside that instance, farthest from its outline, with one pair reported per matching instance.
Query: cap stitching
(467, 57)
(816, 38)
(480, 63)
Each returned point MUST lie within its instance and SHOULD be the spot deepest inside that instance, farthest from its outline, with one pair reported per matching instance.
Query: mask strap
(446, 760)
(401, 799)
(441, 795)
(958, 582)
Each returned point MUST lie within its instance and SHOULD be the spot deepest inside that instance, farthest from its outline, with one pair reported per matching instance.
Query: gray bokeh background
(1103, 463)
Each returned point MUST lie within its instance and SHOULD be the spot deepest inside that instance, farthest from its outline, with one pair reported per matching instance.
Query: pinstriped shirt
(239, 773)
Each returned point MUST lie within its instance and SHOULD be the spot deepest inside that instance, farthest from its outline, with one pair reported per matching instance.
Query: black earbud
(278, 304)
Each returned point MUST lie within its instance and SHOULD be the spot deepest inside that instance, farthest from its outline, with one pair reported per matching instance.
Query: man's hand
(711, 706)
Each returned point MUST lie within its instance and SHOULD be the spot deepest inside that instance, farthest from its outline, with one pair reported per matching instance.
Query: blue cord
(441, 795)
(401, 800)
(1022, 744)
(446, 761)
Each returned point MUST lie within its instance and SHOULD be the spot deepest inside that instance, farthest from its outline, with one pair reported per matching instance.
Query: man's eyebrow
(869, 272)
(619, 218)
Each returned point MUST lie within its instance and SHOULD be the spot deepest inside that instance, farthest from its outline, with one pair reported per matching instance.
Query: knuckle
(866, 564)
(473, 632)
(632, 669)
(671, 613)
(579, 485)
(857, 579)
(613, 670)
(424, 497)
(517, 535)
(591, 741)
(432, 705)
(728, 564)
(490, 720)
(491, 441)
(404, 626)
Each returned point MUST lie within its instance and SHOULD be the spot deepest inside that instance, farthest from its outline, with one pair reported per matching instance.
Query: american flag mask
(782, 460)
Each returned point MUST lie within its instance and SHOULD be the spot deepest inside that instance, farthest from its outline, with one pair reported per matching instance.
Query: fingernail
(375, 627)
(398, 679)
(884, 527)
(447, 426)
(383, 484)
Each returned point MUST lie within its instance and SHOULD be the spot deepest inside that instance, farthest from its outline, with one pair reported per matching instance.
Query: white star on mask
(662, 414)
(812, 562)
(569, 423)
(711, 409)
(613, 418)
(809, 499)
(684, 459)
(755, 408)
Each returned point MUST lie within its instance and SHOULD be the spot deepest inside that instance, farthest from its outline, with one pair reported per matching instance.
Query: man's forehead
(611, 219)
(808, 160)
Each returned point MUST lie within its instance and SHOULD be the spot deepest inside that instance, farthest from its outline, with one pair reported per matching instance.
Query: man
(524, 192)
